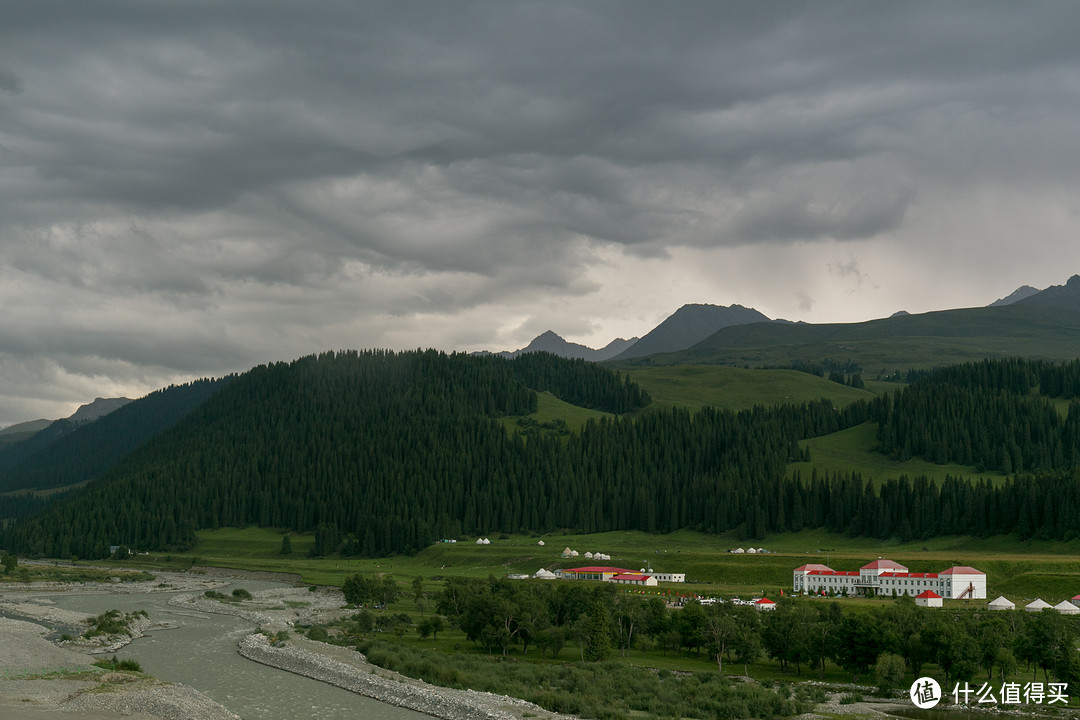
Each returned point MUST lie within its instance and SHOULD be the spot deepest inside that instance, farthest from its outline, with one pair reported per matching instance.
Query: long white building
(886, 577)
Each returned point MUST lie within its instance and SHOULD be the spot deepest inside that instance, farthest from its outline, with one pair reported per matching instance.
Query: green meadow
(1019, 570)
(731, 388)
(852, 450)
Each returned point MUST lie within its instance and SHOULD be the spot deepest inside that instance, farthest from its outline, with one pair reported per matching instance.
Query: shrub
(241, 594)
(113, 664)
(889, 671)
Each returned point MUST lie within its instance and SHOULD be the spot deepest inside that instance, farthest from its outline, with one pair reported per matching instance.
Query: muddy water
(201, 652)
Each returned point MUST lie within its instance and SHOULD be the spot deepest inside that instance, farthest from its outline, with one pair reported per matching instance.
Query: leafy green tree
(596, 633)
(722, 629)
(889, 671)
(858, 643)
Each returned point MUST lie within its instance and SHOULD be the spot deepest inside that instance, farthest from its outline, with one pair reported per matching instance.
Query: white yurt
(1067, 608)
(1002, 603)
(541, 543)
(588, 555)
(543, 574)
(1037, 605)
(567, 552)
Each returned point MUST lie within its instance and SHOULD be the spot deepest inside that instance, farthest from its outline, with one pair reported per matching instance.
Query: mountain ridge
(689, 325)
(552, 342)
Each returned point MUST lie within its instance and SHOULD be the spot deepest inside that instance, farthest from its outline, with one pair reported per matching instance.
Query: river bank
(41, 681)
(39, 676)
(57, 680)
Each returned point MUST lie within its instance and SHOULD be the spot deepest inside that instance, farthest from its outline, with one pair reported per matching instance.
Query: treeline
(597, 621)
(1046, 506)
(580, 383)
(387, 452)
(994, 415)
(17, 505)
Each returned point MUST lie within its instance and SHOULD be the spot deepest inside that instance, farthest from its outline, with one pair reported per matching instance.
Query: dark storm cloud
(197, 185)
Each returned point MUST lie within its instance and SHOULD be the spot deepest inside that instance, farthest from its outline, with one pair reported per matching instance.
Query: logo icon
(925, 693)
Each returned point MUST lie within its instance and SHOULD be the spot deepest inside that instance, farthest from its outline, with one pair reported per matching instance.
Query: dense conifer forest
(382, 452)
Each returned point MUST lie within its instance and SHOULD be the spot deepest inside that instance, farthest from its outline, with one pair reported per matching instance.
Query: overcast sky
(188, 189)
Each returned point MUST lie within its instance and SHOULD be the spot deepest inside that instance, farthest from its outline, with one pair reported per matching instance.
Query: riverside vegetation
(593, 650)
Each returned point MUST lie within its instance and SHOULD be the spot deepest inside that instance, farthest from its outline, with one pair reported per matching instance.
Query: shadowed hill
(897, 343)
(67, 453)
(689, 325)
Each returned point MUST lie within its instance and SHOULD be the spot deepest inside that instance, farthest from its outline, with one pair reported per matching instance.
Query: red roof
(883, 564)
(764, 601)
(631, 576)
(834, 573)
(962, 570)
(929, 595)
(598, 569)
(812, 567)
(907, 575)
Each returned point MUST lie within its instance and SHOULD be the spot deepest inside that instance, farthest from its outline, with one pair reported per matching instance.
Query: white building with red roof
(764, 604)
(887, 577)
(592, 572)
(632, 578)
(929, 598)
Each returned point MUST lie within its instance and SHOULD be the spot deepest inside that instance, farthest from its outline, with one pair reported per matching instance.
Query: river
(201, 652)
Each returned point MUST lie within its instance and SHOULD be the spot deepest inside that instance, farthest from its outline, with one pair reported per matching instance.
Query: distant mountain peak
(552, 342)
(1063, 296)
(1020, 293)
(689, 325)
(98, 408)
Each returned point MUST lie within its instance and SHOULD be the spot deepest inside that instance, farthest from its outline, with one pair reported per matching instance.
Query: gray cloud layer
(193, 188)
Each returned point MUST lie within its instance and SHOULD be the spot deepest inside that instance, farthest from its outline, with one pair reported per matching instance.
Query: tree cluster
(995, 415)
(597, 620)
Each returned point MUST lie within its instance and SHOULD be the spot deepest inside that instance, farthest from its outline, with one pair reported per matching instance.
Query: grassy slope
(851, 450)
(1019, 570)
(912, 341)
(695, 386)
(551, 408)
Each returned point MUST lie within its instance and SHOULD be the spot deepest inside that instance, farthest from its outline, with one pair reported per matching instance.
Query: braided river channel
(200, 651)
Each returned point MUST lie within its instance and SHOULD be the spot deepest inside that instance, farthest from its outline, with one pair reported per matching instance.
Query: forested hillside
(383, 452)
(380, 452)
(995, 415)
(66, 453)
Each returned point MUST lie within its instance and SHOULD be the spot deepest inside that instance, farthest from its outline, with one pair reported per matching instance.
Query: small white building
(764, 604)
(669, 577)
(1037, 605)
(1002, 603)
(543, 574)
(928, 598)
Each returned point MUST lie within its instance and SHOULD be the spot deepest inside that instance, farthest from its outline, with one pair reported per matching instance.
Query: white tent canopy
(1002, 603)
(1036, 605)
(1067, 608)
